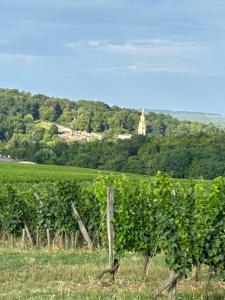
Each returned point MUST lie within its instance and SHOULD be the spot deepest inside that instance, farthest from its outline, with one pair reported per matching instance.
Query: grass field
(72, 274)
(19, 172)
(32, 172)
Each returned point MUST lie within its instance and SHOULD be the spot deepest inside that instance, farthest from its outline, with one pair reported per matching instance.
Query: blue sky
(166, 54)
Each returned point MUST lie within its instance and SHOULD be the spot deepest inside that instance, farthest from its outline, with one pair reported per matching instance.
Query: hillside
(19, 111)
(207, 118)
(86, 134)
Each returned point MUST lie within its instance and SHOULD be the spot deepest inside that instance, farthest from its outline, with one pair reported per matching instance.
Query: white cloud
(73, 45)
(145, 68)
(147, 47)
(146, 55)
(150, 56)
(86, 44)
(161, 68)
(151, 47)
(18, 57)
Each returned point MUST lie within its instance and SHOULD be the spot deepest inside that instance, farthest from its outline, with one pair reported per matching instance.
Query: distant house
(125, 136)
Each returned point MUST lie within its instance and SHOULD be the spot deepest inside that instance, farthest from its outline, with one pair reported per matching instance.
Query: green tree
(45, 156)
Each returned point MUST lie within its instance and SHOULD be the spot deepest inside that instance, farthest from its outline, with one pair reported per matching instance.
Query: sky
(157, 54)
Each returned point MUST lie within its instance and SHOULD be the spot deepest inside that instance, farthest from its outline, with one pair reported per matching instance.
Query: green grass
(72, 274)
(18, 172)
(25, 172)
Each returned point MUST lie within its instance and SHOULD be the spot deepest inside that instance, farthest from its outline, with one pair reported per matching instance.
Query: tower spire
(142, 124)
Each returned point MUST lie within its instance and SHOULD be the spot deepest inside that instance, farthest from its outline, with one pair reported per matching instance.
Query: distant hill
(214, 118)
(22, 113)
(50, 130)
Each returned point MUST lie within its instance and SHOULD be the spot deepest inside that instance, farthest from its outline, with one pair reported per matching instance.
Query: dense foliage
(182, 148)
(19, 110)
(184, 220)
(47, 206)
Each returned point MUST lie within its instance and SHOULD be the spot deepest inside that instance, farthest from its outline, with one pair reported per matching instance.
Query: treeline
(19, 110)
(181, 148)
(199, 155)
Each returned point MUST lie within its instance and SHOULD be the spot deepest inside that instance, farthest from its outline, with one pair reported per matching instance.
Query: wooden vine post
(82, 228)
(23, 237)
(113, 262)
(110, 227)
(29, 233)
(48, 238)
(172, 287)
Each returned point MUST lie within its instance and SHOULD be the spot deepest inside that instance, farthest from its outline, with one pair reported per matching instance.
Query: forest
(181, 148)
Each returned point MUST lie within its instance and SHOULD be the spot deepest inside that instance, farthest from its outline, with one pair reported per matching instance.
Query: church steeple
(142, 124)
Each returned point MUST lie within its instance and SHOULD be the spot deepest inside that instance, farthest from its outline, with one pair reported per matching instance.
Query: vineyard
(181, 221)
(30, 173)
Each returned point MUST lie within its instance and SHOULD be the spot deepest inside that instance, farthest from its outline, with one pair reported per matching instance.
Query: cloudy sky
(167, 54)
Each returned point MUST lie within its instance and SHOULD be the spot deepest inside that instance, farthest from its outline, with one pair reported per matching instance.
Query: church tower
(142, 124)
